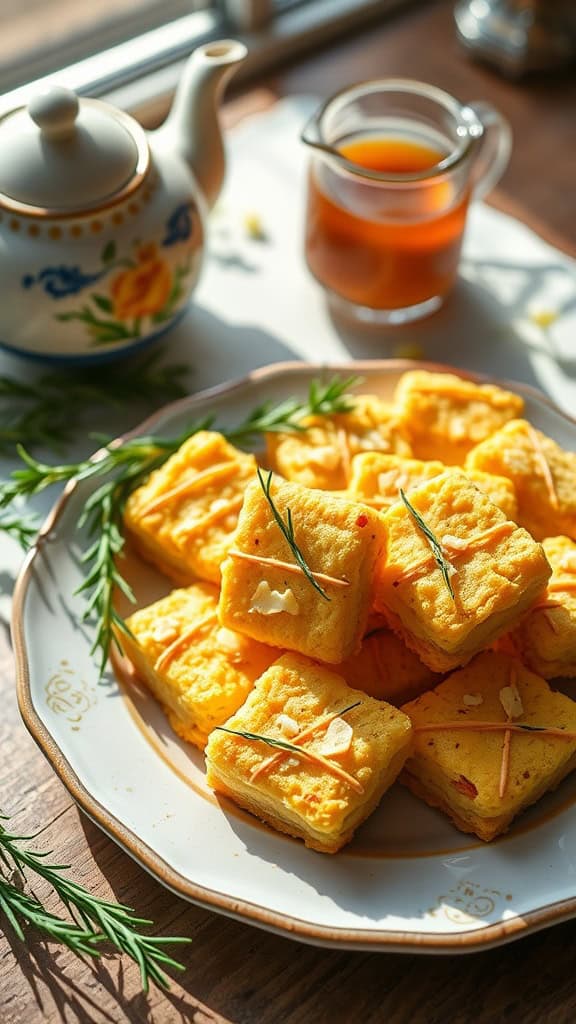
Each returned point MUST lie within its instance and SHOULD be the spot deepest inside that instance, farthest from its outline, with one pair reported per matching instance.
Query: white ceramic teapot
(102, 224)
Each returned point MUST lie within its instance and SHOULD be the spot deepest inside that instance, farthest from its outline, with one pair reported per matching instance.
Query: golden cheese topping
(543, 474)
(183, 517)
(445, 415)
(462, 768)
(200, 671)
(321, 456)
(339, 541)
(316, 800)
(546, 637)
(496, 572)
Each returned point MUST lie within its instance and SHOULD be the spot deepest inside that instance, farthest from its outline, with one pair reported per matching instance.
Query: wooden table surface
(234, 972)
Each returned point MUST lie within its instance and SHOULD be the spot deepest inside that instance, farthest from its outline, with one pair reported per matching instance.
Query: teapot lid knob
(61, 155)
(55, 112)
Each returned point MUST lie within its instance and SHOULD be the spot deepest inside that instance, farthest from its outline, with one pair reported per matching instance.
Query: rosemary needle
(257, 737)
(446, 568)
(287, 531)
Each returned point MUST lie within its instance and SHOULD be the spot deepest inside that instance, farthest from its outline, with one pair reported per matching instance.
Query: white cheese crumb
(227, 640)
(337, 738)
(287, 725)
(568, 562)
(371, 441)
(166, 631)
(392, 479)
(292, 762)
(325, 456)
(511, 701)
(218, 504)
(272, 602)
(472, 700)
(456, 543)
(458, 428)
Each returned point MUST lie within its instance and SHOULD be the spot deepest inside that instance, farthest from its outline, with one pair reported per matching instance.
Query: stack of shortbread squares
(387, 598)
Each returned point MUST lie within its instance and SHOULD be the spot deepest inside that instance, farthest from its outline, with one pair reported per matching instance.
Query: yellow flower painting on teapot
(136, 291)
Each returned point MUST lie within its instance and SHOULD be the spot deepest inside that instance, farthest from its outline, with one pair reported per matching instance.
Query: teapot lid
(62, 156)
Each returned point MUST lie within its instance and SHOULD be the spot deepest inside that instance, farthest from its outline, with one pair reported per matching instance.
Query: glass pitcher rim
(465, 116)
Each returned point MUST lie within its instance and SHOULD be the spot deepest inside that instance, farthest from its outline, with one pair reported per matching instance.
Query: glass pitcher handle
(495, 151)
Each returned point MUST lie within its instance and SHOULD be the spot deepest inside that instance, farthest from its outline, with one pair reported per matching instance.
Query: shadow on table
(239, 973)
(221, 349)
(41, 967)
(60, 996)
(72, 1000)
(485, 325)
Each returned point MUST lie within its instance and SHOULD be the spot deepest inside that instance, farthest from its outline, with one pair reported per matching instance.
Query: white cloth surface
(257, 302)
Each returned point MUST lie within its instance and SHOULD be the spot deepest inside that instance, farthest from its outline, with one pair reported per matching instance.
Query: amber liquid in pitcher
(379, 257)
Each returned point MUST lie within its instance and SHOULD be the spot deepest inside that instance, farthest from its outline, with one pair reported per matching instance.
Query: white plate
(409, 881)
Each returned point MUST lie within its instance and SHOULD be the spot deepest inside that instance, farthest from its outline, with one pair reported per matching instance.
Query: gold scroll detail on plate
(69, 696)
(468, 902)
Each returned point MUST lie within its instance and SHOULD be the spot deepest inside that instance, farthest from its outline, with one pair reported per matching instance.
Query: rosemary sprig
(102, 516)
(287, 531)
(19, 906)
(323, 400)
(129, 464)
(140, 453)
(446, 568)
(50, 410)
(533, 728)
(271, 741)
(94, 921)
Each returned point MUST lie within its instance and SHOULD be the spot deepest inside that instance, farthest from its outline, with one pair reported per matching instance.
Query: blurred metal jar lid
(519, 35)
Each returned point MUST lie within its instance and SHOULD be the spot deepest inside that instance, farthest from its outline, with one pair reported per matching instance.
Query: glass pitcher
(394, 166)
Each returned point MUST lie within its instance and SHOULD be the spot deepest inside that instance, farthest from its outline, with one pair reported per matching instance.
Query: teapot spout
(192, 128)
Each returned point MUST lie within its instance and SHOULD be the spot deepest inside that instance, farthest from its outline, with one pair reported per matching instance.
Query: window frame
(140, 75)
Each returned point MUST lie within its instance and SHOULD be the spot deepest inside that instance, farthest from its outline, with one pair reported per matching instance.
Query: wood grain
(236, 974)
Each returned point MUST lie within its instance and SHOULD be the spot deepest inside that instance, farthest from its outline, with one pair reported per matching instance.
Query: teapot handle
(495, 149)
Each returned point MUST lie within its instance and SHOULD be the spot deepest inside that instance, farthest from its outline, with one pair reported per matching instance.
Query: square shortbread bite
(183, 517)
(495, 569)
(377, 479)
(469, 774)
(444, 416)
(266, 595)
(200, 671)
(543, 474)
(386, 669)
(499, 489)
(546, 637)
(352, 756)
(321, 455)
